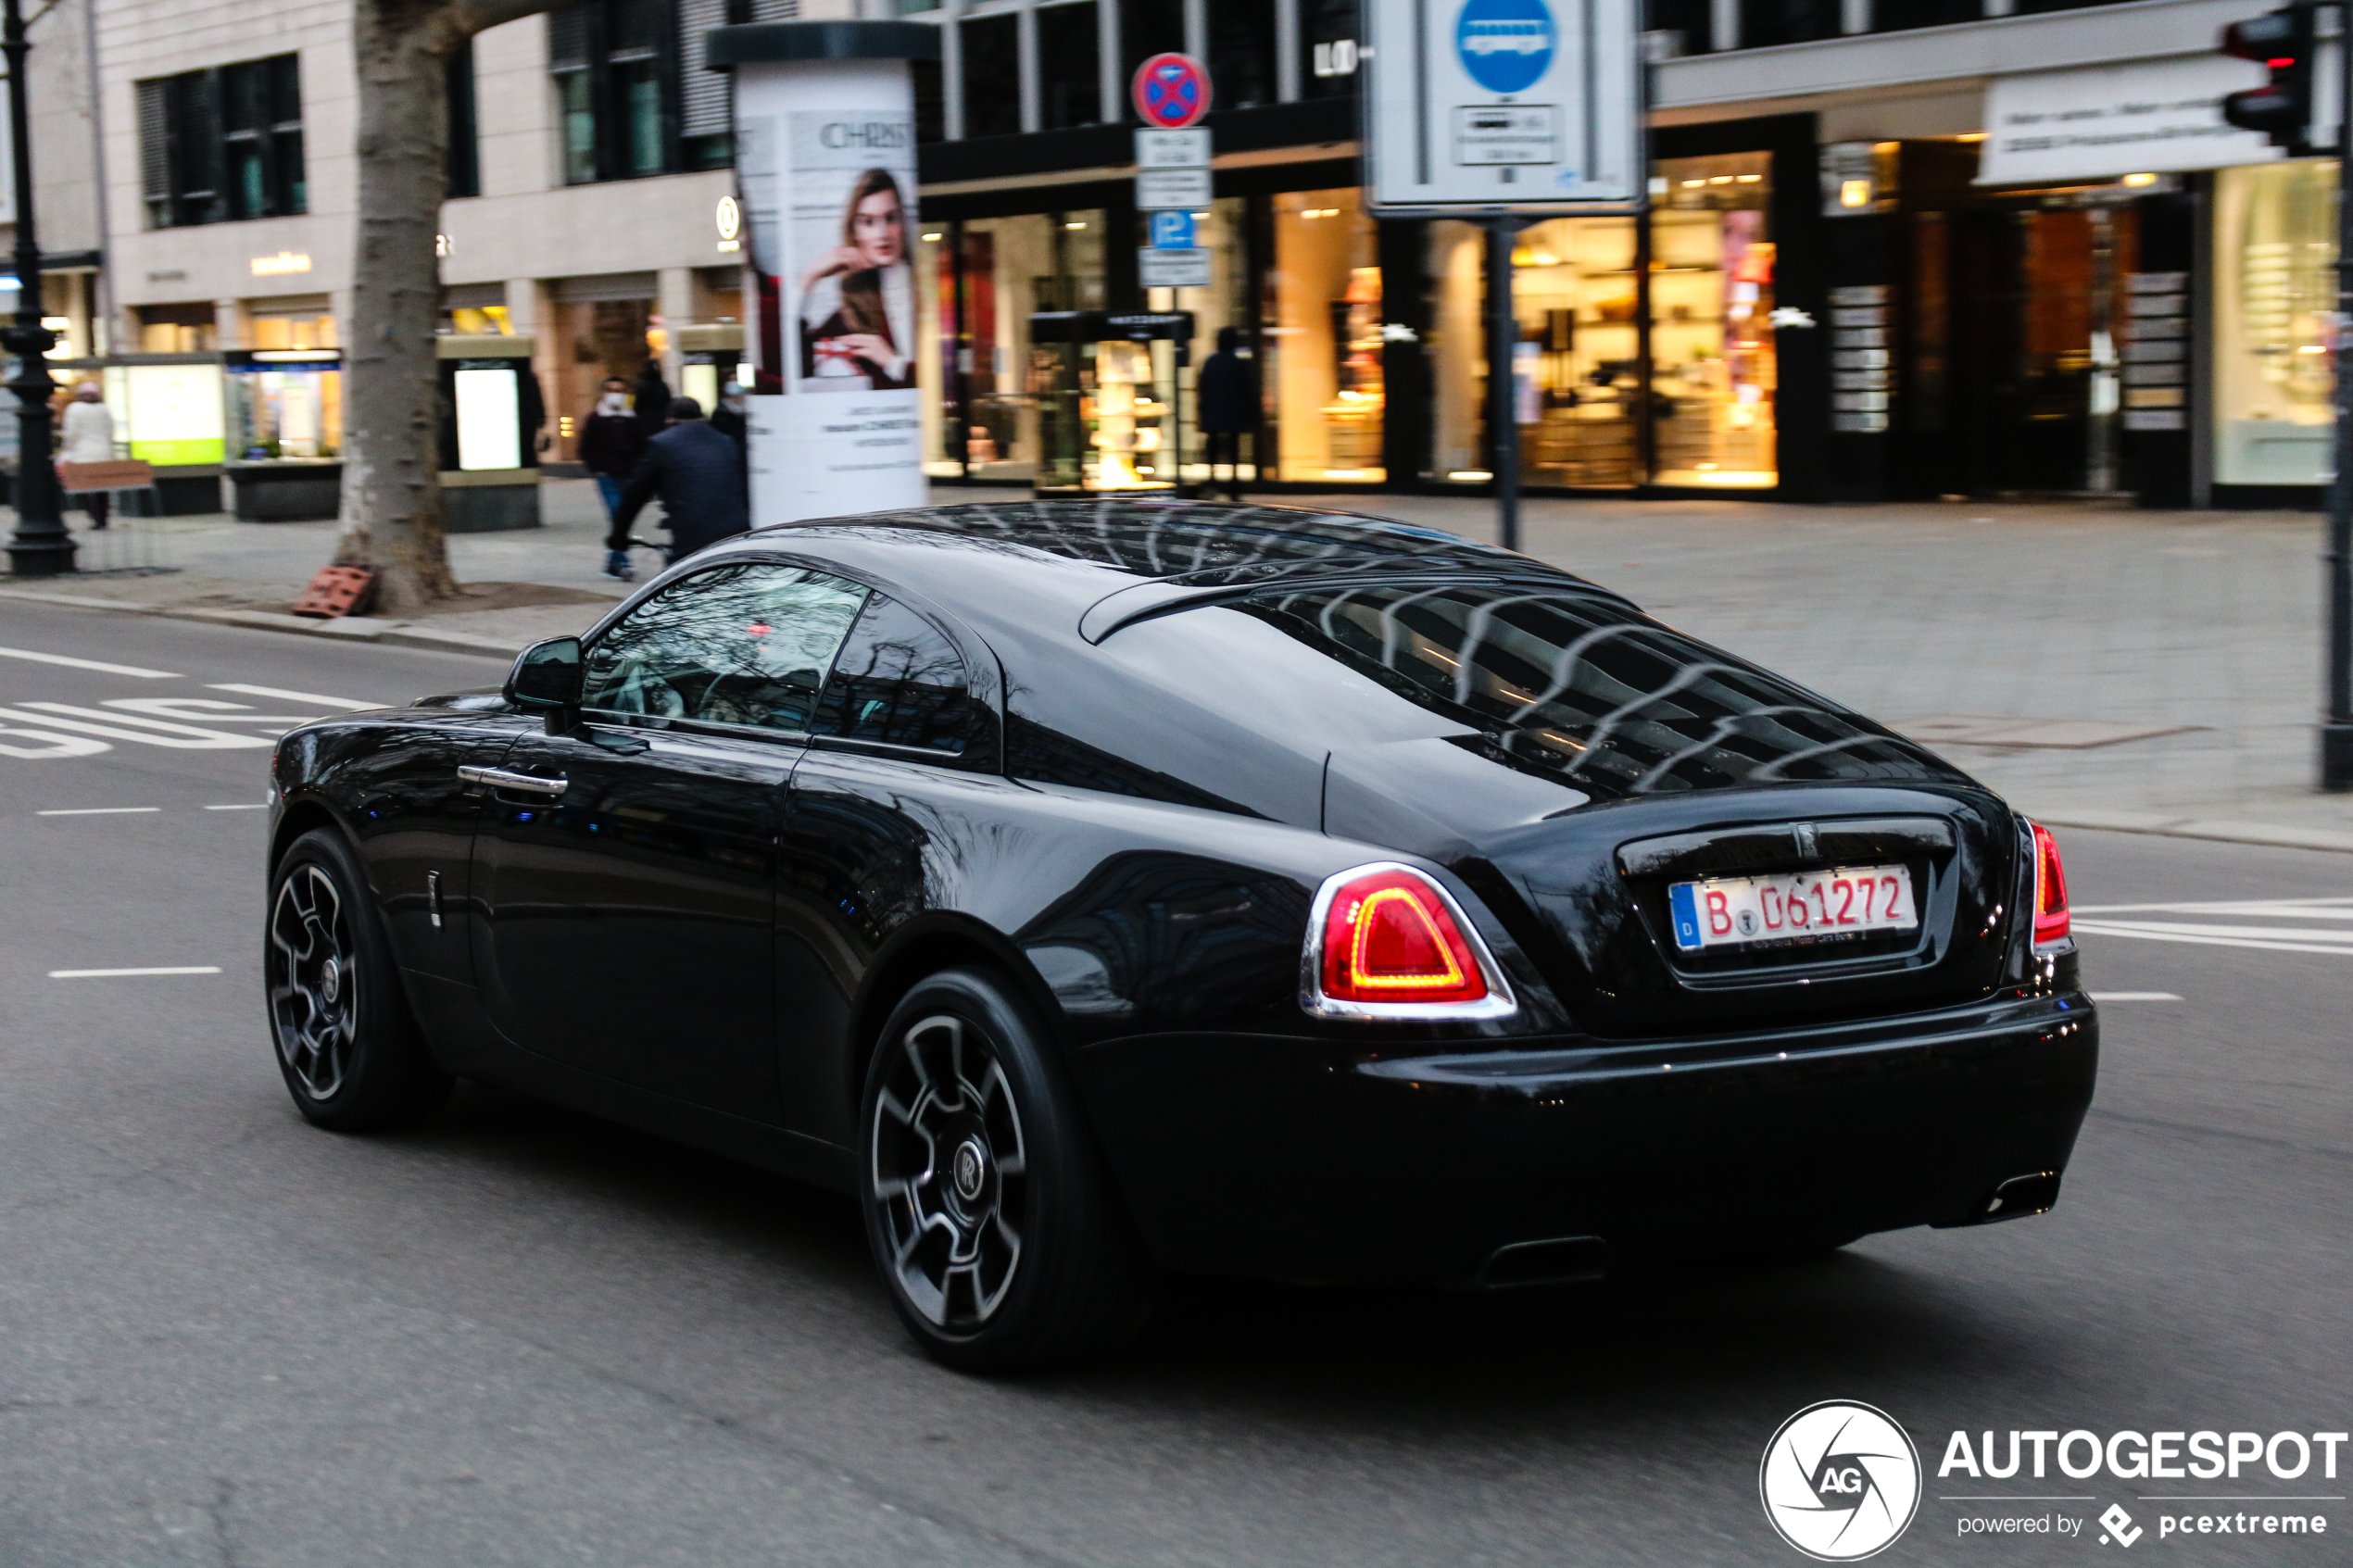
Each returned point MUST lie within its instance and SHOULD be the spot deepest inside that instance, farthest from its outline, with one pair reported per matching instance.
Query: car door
(625, 870)
(896, 779)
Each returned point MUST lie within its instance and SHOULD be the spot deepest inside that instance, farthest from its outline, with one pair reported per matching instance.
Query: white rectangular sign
(1159, 268)
(1187, 149)
(826, 165)
(490, 419)
(1504, 106)
(2153, 117)
(1159, 189)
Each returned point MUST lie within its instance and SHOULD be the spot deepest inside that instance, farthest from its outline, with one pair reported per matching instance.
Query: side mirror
(546, 679)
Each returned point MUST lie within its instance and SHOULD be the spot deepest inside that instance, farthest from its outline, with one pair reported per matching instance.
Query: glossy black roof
(1200, 544)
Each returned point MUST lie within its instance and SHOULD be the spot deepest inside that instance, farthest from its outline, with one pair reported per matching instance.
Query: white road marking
(2106, 997)
(204, 708)
(2333, 951)
(2260, 909)
(99, 811)
(2231, 924)
(342, 702)
(242, 806)
(88, 664)
(181, 736)
(52, 744)
(118, 974)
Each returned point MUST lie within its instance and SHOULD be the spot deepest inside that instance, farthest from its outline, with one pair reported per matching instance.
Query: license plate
(1849, 901)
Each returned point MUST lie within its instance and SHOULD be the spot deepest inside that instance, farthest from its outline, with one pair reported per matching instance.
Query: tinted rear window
(1591, 691)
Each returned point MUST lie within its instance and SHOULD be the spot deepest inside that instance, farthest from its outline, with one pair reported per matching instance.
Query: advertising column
(826, 154)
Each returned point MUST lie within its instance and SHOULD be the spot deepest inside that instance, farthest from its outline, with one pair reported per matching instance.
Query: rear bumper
(1301, 1160)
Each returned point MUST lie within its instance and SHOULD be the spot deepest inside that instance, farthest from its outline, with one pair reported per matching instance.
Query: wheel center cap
(330, 978)
(970, 1169)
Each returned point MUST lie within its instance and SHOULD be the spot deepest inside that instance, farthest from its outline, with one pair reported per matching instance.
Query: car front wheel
(351, 1056)
(991, 1218)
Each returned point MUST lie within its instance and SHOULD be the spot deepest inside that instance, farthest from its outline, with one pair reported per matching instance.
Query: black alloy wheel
(989, 1214)
(351, 1057)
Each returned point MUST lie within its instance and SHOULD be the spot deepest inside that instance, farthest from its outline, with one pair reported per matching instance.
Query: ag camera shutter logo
(1505, 44)
(1840, 1480)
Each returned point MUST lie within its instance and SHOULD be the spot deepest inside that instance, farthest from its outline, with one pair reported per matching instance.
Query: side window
(739, 644)
(900, 682)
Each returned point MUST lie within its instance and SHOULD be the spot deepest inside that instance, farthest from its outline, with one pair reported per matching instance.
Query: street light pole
(41, 547)
(1503, 377)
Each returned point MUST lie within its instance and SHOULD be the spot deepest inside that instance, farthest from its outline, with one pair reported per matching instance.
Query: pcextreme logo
(1840, 1480)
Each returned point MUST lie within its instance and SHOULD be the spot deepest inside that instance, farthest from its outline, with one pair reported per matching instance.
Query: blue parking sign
(1172, 230)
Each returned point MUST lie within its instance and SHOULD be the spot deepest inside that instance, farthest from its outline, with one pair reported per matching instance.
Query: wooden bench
(127, 475)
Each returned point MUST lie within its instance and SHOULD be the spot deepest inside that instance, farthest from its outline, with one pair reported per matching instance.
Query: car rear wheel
(351, 1056)
(991, 1217)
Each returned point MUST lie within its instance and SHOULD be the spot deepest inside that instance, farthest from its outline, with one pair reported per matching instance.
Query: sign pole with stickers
(1504, 113)
(826, 172)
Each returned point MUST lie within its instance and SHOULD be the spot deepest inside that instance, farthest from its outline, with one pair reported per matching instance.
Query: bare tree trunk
(391, 467)
(392, 517)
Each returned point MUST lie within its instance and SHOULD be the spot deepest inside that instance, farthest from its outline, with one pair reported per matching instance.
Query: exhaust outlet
(2033, 1193)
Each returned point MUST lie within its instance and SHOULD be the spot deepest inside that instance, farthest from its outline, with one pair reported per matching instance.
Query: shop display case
(491, 415)
(169, 411)
(284, 433)
(1107, 387)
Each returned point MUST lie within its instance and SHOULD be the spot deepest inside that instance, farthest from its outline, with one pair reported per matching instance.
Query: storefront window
(1714, 372)
(937, 339)
(295, 332)
(992, 275)
(1456, 343)
(282, 406)
(1579, 352)
(2274, 250)
(1323, 338)
(1220, 230)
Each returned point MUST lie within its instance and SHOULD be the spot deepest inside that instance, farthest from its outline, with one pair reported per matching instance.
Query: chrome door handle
(499, 778)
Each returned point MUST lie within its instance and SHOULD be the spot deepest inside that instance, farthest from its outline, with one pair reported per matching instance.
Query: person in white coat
(89, 438)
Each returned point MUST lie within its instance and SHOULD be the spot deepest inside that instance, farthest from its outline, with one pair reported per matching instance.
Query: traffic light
(2282, 108)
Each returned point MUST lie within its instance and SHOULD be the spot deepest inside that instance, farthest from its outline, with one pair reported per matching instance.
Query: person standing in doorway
(729, 419)
(1227, 399)
(650, 399)
(89, 438)
(610, 443)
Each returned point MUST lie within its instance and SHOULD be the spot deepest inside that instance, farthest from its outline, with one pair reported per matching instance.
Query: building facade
(1882, 259)
(1886, 258)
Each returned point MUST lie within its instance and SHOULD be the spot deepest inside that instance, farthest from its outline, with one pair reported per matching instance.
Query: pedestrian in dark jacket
(1226, 399)
(650, 399)
(694, 471)
(610, 443)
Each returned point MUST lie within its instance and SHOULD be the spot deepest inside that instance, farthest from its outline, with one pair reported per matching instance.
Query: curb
(387, 633)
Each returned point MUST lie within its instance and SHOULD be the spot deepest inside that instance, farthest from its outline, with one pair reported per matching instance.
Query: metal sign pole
(2336, 732)
(1503, 378)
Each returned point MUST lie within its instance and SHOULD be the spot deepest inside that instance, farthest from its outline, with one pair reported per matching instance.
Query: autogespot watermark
(1842, 1481)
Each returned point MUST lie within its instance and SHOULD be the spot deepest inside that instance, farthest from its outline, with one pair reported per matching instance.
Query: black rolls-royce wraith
(1100, 888)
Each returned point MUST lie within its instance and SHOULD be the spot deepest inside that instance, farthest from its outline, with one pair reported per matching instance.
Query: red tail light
(1388, 939)
(2050, 889)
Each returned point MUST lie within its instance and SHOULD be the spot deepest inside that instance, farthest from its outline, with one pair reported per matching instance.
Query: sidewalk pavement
(2101, 666)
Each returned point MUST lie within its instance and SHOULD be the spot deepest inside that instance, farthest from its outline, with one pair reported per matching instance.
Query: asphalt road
(522, 1336)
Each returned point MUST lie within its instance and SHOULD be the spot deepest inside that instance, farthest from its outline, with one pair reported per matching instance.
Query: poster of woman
(857, 305)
